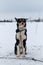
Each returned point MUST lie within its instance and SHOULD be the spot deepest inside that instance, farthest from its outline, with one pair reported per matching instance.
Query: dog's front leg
(23, 52)
(18, 51)
(24, 47)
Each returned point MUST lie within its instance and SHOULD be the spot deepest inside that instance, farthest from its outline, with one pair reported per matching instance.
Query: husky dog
(21, 37)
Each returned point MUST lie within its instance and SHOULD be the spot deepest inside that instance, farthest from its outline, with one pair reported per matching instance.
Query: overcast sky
(12, 6)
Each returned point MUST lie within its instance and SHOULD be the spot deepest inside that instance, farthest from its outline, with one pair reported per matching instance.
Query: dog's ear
(26, 19)
(16, 19)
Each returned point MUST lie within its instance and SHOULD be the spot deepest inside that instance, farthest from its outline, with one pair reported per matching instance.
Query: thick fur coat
(21, 37)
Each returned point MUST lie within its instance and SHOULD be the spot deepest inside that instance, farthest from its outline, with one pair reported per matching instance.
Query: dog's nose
(22, 23)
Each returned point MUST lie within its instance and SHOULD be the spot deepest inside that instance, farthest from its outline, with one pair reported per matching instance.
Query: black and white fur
(21, 37)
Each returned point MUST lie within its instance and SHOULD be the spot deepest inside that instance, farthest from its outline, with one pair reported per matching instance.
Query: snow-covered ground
(34, 43)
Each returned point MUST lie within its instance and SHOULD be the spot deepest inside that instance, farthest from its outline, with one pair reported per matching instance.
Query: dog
(21, 37)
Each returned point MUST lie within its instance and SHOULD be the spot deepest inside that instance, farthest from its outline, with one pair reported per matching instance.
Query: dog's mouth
(21, 25)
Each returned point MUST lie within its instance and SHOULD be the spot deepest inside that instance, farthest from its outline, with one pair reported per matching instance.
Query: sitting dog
(21, 37)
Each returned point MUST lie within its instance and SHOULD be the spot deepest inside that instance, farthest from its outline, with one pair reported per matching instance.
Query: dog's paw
(23, 55)
(18, 55)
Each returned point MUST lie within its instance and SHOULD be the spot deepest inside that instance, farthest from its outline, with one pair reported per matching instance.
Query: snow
(34, 43)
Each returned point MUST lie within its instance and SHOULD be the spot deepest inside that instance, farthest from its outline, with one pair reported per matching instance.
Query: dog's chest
(21, 35)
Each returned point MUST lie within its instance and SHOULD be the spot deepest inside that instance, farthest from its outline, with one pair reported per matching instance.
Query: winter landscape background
(31, 9)
(34, 42)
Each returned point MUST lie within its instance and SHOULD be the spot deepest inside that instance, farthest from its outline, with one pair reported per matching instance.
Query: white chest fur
(21, 35)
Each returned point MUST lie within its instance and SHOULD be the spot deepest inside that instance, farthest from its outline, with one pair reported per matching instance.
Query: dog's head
(21, 22)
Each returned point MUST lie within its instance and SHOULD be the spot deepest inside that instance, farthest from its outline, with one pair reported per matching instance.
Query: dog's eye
(19, 22)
